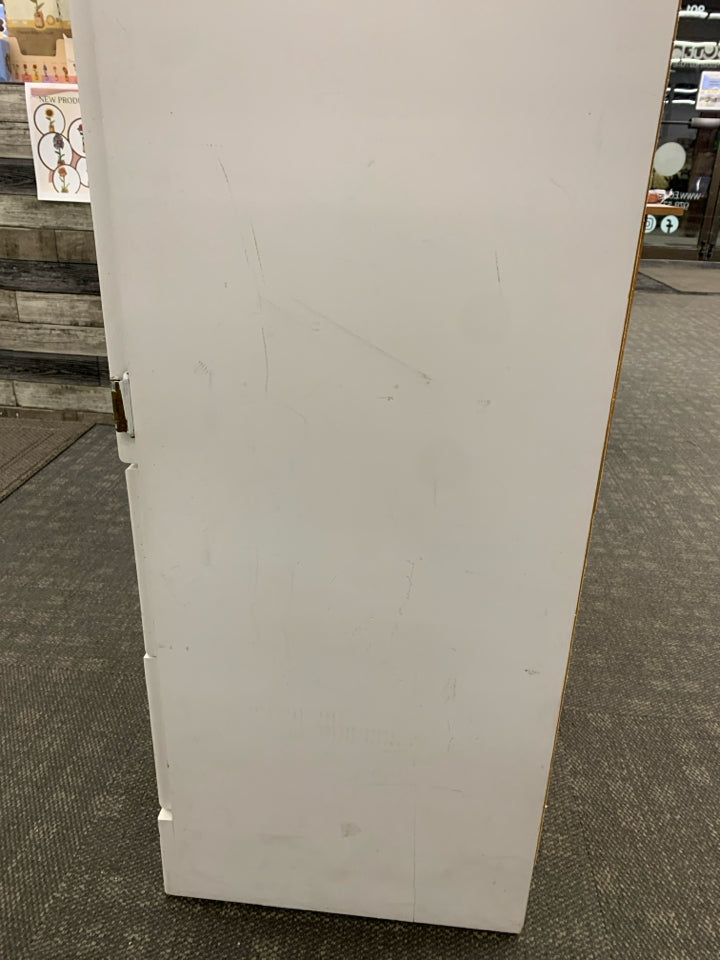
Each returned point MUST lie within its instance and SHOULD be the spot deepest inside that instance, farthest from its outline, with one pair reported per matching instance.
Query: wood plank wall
(52, 342)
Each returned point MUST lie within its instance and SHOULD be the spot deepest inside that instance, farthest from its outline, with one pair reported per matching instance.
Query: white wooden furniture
(367, 265)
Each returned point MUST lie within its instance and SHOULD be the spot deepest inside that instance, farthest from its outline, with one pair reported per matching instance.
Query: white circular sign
(49, 119)
(76, 137)
(669, 224)
(66, 179)
(650, 223)
(669, 159)
(81, 167)
(54, 150)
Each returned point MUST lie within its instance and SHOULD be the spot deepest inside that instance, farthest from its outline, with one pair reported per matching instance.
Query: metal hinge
(122, 405)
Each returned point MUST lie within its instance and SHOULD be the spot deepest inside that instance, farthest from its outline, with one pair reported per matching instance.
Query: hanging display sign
(58, 142)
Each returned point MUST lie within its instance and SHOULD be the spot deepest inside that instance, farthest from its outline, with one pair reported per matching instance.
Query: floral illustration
(39, 16)
(59, 145)
(58, 139)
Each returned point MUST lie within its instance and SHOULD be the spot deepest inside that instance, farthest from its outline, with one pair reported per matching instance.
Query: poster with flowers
(58, 142)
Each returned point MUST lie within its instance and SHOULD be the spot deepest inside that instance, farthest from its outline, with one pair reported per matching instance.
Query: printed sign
(58, 142)
(709, 91)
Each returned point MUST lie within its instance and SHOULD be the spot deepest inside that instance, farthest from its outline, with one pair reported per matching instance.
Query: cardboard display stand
(40, 46)
(366, 296)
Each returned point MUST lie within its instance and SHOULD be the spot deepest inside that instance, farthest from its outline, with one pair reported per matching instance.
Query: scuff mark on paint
(257, 251)
(227, 178)
(364, 340)
(267, 360)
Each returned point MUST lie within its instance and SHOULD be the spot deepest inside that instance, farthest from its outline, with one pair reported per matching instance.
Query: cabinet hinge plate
(122, 405)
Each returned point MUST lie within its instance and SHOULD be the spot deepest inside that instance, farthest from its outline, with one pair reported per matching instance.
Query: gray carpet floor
(684, 276)
(629, 865)
(27, 445)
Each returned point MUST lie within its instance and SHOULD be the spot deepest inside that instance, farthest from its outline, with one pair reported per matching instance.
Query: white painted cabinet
(367, 265)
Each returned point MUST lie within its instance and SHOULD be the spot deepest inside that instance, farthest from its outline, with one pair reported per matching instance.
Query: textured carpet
(27, 445)
(629, 865)
(685, 277)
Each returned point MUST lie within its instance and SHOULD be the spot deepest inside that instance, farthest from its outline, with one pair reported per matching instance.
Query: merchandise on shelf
(5, 68)
(40, 41)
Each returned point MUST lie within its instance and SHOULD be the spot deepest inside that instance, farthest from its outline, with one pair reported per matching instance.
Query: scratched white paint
(368, 265)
